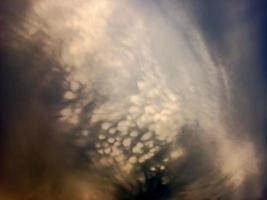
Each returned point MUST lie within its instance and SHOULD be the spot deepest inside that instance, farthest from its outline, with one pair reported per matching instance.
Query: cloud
(138, 74)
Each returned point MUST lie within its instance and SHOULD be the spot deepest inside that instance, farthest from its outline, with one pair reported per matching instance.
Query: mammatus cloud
(140, 78)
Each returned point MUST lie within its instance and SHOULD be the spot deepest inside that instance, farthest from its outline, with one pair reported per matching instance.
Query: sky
(141, 99)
